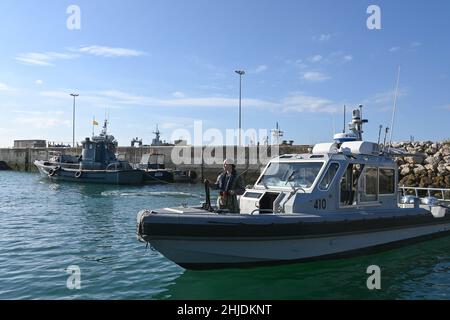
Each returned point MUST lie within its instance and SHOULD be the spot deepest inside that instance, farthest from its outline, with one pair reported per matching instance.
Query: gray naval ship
(340, 200)
(97, 164)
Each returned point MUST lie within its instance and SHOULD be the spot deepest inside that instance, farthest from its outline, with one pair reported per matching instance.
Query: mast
(356, 126)
(343, 129)
(394, 109)
(105, 128)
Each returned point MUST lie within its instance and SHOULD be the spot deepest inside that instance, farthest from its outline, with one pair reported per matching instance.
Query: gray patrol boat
(340, 200)
(97, 164)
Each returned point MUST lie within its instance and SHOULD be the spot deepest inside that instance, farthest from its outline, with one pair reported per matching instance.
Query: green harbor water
(46, 227)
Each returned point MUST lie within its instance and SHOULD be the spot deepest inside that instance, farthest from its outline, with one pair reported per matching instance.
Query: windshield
(300, 174)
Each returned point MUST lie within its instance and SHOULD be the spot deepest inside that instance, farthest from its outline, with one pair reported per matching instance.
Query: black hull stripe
(148, 238)
(346, 254)
(284, 230)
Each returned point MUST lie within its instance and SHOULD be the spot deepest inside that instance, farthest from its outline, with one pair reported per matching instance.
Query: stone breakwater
(429, 165)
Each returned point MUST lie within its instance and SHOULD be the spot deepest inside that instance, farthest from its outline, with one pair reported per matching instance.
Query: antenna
(93, 124)
(343, 130)
(379, 134)
(385, 135)
(395, 108)
(276, 134)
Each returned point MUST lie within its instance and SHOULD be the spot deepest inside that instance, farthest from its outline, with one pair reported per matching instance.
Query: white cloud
(178, 94)
(348, 58)
(294, 103)
(415, 44)
(322, 37)
(110, 97)
(333, 58)
(43, 59)
(211, 87)
(211, 102)
(39, 82)
(305, 103)
(300, 64)
(339, 57)
(314, 76)
(41, 122)
(120, 97)
(96, 99)
(260, 68)
(316, 58)
(171, 123)
(394, 49)
(110, 52)
(56, 112)
(5, 88)
(46, 58)
(55, 94)
(384, 101)
(130, 99)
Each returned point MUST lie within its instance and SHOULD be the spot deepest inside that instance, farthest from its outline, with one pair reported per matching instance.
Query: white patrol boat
(340, 200)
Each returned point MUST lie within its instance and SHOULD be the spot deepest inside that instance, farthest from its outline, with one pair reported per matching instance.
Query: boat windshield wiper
(289, 180)
(264, 183)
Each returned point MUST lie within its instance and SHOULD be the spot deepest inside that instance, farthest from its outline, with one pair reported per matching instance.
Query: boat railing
(261, 211)
(113, 167)
(69, 165)
(441, 194)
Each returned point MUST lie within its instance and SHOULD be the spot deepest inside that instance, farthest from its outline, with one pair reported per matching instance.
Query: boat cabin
(152, 161)
(99, 153)
(332, 177)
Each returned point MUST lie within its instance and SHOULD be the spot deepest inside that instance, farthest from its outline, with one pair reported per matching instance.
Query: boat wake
(161, 194)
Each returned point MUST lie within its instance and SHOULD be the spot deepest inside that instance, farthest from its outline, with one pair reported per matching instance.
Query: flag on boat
(94, 123)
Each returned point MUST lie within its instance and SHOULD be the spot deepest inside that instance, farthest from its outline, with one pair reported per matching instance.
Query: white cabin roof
(351, 147)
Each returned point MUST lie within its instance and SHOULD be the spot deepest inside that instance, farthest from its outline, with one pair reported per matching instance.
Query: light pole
(74, 95)
(240, 73)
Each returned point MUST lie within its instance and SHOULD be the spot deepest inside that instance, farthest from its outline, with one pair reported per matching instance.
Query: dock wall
(430, 167)
(206, 162)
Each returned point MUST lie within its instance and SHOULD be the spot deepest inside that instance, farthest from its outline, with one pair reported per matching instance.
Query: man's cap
(228, 161)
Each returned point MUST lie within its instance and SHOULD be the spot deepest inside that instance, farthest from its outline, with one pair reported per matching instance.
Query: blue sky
(172, 63)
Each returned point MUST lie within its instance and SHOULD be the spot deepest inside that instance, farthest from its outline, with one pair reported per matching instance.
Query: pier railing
(441, 194)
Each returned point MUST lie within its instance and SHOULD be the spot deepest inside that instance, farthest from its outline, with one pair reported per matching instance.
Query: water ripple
(46, 227)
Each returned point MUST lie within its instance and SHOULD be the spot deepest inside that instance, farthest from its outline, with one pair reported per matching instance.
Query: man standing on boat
(230, 185)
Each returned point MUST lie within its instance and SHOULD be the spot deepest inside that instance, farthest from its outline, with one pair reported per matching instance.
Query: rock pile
(429, 165)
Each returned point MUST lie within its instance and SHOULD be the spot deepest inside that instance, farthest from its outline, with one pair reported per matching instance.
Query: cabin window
(349, 184)
(329, 176)
(370, 187)
(290, 174)
(387, 181)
